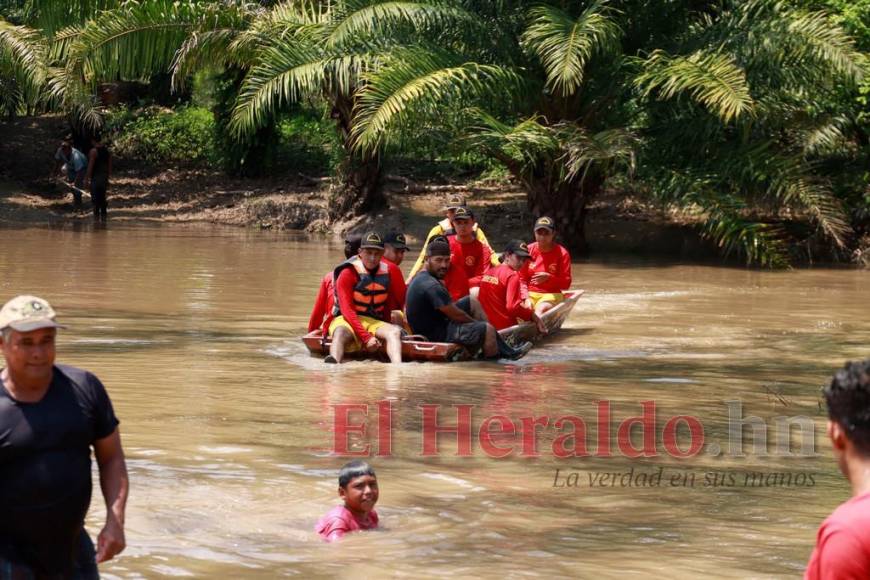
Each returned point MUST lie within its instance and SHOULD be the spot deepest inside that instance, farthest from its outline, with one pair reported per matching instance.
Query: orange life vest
(370, 292)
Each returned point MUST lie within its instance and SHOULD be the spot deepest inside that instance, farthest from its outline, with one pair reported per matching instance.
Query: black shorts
(467, 334)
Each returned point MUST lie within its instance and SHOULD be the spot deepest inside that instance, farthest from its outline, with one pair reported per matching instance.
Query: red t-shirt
(473, 257)
(501, 297)
(456, 283)
(340, 521)
(323, 303)
(556, 262)
(348, 278)
(843, 543)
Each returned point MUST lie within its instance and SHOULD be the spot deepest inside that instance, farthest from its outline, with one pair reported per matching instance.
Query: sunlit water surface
(228, 423)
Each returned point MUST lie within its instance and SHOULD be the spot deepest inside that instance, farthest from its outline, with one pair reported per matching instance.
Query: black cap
(454, 202)
(397, 240)
(462, 213)
(439, 246)
(372, 240)
(519, 248)
(545, 222)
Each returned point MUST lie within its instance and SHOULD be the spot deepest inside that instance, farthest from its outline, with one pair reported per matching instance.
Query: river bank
(617, 223)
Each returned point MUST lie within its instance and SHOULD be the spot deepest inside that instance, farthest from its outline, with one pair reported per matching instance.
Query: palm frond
(723, 218)
(141, 38)
(287, 71)
(25, 49)
(712, 79)
(421, 81)
(566, 45)
(357, 18)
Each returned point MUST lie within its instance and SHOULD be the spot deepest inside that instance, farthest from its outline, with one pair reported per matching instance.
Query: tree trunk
(567, 204)
(359, 187)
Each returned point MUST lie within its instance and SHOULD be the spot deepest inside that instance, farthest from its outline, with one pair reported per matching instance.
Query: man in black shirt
(431, 312)
(50, 416)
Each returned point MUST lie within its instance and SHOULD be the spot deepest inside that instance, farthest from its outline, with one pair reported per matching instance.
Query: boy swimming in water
(358, 487)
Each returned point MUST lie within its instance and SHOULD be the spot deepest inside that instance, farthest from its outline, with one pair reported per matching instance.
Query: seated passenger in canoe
(358, 489)
(325, 300)
(467, 252)
(445, 228)
(366, 291)
(548, 273)
(433, 313)
(395, 247)
(501, 293)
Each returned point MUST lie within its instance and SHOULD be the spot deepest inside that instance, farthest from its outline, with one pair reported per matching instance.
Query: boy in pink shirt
(358, 487)
(843, 541)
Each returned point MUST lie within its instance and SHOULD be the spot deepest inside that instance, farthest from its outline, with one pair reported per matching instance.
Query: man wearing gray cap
(50, 417)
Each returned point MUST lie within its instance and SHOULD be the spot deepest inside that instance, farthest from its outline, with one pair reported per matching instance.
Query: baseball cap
(397, 240)
(545, 222)
(462, 213)
(25, 313)
(518, 248)
(372, 240)
(454, 202)
(439, 246)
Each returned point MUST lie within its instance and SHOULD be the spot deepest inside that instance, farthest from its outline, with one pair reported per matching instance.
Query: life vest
(370, 292)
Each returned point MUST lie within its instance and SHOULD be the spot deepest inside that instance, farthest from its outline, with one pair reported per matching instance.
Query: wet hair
(352, 470)
(351, 245)
(848, 402)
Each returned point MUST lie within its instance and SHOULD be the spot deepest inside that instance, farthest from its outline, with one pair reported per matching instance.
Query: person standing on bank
(50, 417)
(74, 163)
(99, 171)
(843, 541)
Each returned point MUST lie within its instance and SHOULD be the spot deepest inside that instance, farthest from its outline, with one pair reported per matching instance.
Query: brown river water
(228, 423)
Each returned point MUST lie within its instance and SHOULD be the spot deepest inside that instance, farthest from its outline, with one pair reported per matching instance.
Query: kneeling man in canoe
(366, 292)
(501, 290)
(432, 312)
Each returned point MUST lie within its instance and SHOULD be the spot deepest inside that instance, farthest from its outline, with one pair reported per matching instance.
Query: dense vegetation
(751, 114)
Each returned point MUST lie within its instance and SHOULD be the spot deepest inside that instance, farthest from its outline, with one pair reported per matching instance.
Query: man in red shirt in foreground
(500, 290)
(548, 273)
(367, 290)
(325, 300)
(843, 541)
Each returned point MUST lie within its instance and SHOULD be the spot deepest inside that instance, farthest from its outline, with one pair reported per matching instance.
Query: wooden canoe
(414, 348)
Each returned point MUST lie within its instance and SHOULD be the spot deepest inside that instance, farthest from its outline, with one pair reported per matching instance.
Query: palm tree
(717, 108)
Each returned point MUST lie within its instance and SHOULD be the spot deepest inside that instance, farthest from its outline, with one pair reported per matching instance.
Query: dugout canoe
(416, 348)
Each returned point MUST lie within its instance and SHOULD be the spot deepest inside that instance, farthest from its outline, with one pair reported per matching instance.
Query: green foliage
(164, 136)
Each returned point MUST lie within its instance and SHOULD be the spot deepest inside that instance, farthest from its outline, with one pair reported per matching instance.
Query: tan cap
(454, 202)
(26, 313)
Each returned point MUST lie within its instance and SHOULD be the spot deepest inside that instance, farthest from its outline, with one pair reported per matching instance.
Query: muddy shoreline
(30, 195)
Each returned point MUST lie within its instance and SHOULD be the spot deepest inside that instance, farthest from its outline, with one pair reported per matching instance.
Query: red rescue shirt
(323, 303)
(556, 262)
(501, 297)
(472, 257)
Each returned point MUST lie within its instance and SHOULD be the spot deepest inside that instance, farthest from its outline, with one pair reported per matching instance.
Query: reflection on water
(228, 422)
